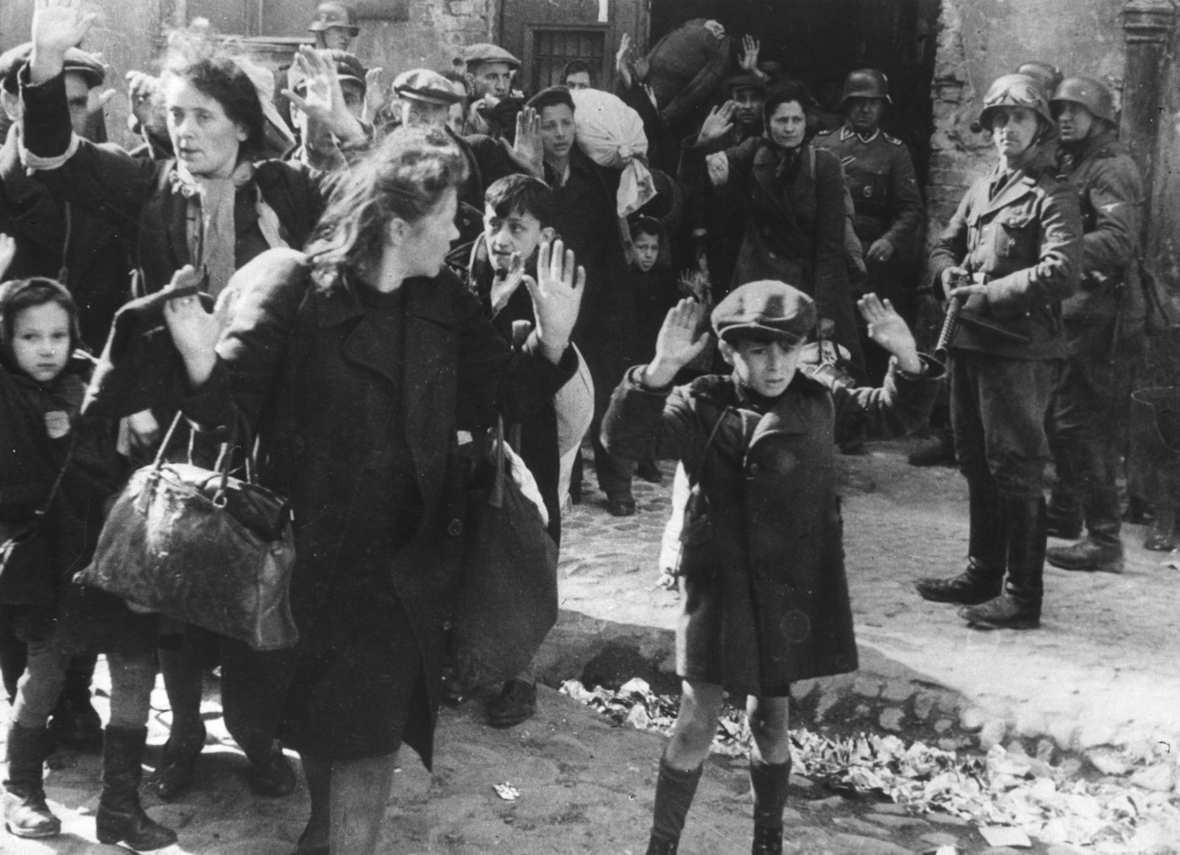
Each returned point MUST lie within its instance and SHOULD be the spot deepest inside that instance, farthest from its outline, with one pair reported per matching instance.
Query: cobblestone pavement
(1101, 672)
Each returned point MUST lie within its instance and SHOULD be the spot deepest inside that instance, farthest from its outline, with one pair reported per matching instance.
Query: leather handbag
(507, 599)
(201, 547)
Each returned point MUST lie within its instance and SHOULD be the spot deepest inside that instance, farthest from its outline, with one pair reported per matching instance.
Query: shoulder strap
(696, 476)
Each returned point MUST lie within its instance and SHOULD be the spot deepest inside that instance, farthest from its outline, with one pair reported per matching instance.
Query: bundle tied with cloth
(611, 134)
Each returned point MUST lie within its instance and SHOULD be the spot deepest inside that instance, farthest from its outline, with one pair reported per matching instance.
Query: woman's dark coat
(144, 198)
(795, 218)
(765, 595)
(302, 364)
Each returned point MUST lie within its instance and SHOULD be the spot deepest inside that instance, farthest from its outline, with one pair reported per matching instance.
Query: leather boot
(1102, 549)
(25, 812)
(74, 721)
(1019, 607)
(986, 550)
(770, 782)
(675, 789)
(174, 773)
(1092, 554)
(120, 817)
(271, 773)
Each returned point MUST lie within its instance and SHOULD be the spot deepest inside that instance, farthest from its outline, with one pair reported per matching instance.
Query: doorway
(820, 41)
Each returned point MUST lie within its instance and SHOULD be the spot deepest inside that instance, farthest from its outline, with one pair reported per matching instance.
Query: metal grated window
(554, 48)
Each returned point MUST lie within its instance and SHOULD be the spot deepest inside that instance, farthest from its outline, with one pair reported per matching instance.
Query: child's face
(518, 232)
(765, 367)
(646, 251)
(41, 341)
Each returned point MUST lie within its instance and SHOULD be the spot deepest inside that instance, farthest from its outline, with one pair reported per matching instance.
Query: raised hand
(717, 124)
(749, 58)
(888, 329)
(681, 339)
(323, 100)
(374, 94)
(58, 25)
(623, 60)
(194, 331)
(504, 286)
(7, 253)
(528, 150)
(557, 296)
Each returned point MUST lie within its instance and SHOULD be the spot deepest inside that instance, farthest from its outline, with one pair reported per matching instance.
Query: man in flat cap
(762, 524)
(425, 98)
(90, 256)
(494, 105)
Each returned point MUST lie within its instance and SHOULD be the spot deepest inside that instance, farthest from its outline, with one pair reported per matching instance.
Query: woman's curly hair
(406, 177)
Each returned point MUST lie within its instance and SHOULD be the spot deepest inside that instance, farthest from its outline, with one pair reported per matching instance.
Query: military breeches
(998, 408)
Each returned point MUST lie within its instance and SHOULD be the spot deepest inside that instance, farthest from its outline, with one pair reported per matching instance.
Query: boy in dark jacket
(762, 572)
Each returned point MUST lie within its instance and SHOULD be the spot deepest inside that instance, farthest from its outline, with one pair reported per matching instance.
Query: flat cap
(746, 81)
(86, 64)
(430, 87)
(765, 309)
(487, 52)
(348, 67)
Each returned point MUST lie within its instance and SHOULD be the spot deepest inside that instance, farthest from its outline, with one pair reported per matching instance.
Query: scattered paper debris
(506, 791)
(1004, 791)
(1002, 836)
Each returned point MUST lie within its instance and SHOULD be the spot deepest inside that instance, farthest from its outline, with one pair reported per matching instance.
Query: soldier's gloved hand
(880, 252)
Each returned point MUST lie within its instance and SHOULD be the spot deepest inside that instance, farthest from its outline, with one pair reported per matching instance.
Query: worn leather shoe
(1063, 528)
(517, 703)
(1004, 612)
(622, 505)
(967, 589)
(1087, 555)
(174, 775)
(272, 775)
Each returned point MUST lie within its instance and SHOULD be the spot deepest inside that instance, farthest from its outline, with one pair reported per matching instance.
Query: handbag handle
(221, 466)
(496, 498)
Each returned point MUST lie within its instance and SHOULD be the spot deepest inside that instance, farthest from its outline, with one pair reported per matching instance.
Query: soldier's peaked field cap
(76, 60)
(430, 87)
(334, 14)
(765, 309)
(487, 52)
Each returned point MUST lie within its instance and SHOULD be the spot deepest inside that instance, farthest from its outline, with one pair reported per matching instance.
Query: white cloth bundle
(611, 134)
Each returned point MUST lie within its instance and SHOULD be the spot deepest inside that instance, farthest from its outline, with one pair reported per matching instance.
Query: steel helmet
(1049, 76)
(334, 14)
(1088, 92)
(1014, 90)
(865, 83)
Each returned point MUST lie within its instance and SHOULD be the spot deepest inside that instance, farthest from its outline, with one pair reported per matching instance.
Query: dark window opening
(552, 49)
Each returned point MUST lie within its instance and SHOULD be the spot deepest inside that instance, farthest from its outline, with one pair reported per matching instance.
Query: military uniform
(1103, 330)
(884, 189)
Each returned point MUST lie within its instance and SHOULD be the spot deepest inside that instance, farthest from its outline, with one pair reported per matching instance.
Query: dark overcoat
(144, 199)
(794, 222)
(765, 594)
(302, 363)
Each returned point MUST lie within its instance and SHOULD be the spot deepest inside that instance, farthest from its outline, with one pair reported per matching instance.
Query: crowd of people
(361, 277)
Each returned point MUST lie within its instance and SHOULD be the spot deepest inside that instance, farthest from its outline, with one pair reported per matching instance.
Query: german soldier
(884, 188)
(1101, 330)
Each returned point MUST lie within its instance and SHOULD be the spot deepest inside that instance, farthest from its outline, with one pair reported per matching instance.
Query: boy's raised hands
(888, 329)
(681, 339)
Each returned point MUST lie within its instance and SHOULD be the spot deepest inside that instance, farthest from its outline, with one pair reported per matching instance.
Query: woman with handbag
(216, 205)
(365, 367)
(56, 472)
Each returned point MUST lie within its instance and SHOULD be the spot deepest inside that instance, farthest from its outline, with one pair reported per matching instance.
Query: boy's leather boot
(25, 812)
(120, 816)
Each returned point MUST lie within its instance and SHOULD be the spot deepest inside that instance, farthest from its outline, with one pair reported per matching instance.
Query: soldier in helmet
(1102, 329)
(880, 176)
(334, 26)
(1008, 257)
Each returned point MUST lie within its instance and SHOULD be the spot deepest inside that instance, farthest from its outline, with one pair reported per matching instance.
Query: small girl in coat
(762, 579)
(56, 472)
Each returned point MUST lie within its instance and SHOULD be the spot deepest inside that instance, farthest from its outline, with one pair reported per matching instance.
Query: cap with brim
(765, 310)
(429, 87)
(486, 52)
(334, 15)
(746, 81)
(76, 60)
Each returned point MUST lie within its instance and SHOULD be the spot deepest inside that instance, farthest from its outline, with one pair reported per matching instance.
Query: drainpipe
(1147, 25)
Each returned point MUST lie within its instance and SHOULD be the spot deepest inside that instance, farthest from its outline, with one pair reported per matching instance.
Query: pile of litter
(1005, 789)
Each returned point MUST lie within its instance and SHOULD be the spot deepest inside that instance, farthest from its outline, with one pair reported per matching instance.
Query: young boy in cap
(765, 598)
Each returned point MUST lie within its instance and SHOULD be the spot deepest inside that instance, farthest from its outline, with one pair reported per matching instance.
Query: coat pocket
(1016, 235)
(696, 535)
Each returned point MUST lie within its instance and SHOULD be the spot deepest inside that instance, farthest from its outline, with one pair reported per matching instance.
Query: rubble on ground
(1003, 789)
